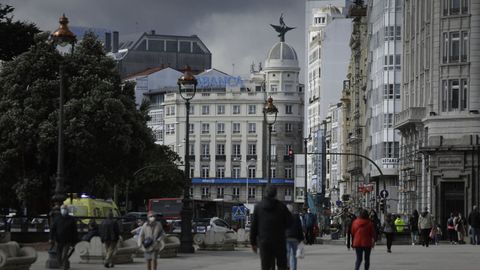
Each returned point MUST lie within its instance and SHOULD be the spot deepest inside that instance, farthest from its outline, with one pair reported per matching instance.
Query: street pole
(305, 190)
(269, 172)
(59, 196)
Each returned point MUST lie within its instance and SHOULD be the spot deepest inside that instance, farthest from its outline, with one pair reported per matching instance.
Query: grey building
(137, 53)
(440, 121)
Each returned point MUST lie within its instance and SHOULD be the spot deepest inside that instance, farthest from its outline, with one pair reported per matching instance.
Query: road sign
(239, 212)
(384, 193)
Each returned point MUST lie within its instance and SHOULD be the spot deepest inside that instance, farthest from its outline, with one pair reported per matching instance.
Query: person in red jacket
(363, 232)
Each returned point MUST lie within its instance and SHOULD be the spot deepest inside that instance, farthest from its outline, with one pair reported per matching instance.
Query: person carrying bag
(151, 237)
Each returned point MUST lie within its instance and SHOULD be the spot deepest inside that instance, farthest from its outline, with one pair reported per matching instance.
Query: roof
(145, 72)
(282, 51)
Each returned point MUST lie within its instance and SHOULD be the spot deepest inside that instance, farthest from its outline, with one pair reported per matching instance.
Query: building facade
(440, 102)
(383, 95)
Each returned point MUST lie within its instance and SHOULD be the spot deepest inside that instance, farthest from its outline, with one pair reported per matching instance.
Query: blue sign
(339, 203)
(239, 212)
(384, 193)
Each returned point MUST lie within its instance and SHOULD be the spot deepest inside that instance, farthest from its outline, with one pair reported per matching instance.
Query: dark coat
(109, 230)
(295, 230)
(474, 219)
(271, 219)
(64, 230)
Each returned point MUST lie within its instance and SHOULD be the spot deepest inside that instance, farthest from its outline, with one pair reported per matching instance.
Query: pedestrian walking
(425, 224)
(270, 221)
(151, 238)
(363, 232)
(64, 235)
(310, 222)
(413, 224)
(136, 232)
(389, 229)
(438, 234)
(376, 223)
(110, 234)
(459, 223)
(399, 224)
(348, 221)
(474, 222)
(294, 237)
(451, 229)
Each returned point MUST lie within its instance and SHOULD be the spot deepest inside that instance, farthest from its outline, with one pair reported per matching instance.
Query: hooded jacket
(363, 233)
(271, 219)
(425, 221)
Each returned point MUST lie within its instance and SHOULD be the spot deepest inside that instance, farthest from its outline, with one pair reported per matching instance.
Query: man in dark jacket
(64, 234)
(294, 237)
(271, 219)
(110, 232)
(309, 222)
(474, 222)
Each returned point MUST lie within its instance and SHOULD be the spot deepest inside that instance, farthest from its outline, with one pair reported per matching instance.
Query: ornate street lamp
(187, 87)
(64, 41)
(270, 116)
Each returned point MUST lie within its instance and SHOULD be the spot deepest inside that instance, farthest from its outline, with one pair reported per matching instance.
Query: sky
(237, 32)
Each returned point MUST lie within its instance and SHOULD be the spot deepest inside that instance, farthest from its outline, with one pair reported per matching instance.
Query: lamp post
(305, 190)
(187, 87)
(64, 41)
(270, 116)
(249, 164)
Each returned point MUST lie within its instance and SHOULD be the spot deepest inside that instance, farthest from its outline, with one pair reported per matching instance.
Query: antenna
(233, 69)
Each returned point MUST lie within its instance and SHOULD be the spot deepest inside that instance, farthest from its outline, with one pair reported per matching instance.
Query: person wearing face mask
(151, 238)
(63, 234)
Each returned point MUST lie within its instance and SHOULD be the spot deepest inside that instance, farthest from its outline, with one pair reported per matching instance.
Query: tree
(17, 37)
(106, 137)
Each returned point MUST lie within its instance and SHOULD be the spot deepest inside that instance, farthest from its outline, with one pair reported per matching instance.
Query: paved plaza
(461, 257)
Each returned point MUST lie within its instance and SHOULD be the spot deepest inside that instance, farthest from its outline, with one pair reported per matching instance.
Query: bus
(169, 208)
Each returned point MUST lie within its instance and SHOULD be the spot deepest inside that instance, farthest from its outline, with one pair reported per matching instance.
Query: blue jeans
(292, 253)
(476, 236)
(360, 252)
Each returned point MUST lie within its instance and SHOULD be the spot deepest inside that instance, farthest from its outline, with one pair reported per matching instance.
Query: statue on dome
(282, 28)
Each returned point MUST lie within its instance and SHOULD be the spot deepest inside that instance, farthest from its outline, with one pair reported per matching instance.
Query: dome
(282, 51)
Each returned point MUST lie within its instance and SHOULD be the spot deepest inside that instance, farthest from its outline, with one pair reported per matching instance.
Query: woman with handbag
(459, 223)
(151, 239)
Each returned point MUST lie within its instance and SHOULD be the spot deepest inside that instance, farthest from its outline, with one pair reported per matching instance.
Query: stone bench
(212, 240)
(171, 246)
(12, 256)
(94, 251)
(243, 238)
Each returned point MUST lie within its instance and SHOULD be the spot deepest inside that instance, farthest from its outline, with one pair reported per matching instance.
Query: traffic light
(290, 154)
(382, 205)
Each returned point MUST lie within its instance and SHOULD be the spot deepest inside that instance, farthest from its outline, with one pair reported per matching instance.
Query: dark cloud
(236, 31)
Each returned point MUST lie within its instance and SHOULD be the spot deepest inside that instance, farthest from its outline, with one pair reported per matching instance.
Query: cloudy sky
(236, 31)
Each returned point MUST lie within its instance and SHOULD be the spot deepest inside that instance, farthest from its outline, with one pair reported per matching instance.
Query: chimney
(152, 32)
(115, 42)
(108, 41)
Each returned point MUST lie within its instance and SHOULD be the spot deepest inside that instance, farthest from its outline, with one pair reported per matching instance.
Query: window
(205, 109)
(273, 88)
(287, 148)
(252, 127)
(274, 128)
(455, 47)
(390, 149)
(220, 149)
(205, 148)
(288, 109)
(220, 192)
(273, 172)
(273, 149)
(288, 173)
(252, 172)
(391, 90)
(251, 192)
(288, 127)
(236, 191)
(388, 120)
(220, 172)
(191, 150)
(170, 129)
(236, 149)
(454, 95)
(288, 192)
(192, 110)
(205, 192)
(192, 171)
(170, 110)
(205, 171)
(252, 149)
(236, 128)
(205, 128)
(236, 109)
(252, 109)
(172, 46)
(185, 46)
(236, 172)
(220, 109)
(220, 128)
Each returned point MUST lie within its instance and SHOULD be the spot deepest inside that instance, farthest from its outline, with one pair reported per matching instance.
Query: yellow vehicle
(85, 206)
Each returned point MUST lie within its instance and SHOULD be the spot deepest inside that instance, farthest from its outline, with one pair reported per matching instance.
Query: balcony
(220, 196)
(251, 157)
(236, 157)
(235, 197)
(409, 117)
(206, 196)
(354, 166)
(205, 158)
(191, 157)
(273, 157)
(287, 158)
(220, 157)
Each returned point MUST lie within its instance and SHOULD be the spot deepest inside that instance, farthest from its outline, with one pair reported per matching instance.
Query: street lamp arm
(155, 167)
(349, 154)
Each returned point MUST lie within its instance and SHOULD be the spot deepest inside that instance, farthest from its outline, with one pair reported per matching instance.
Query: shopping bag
(300, 251)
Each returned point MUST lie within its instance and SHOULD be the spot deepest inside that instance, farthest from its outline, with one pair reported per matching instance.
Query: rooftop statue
(282, 28)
